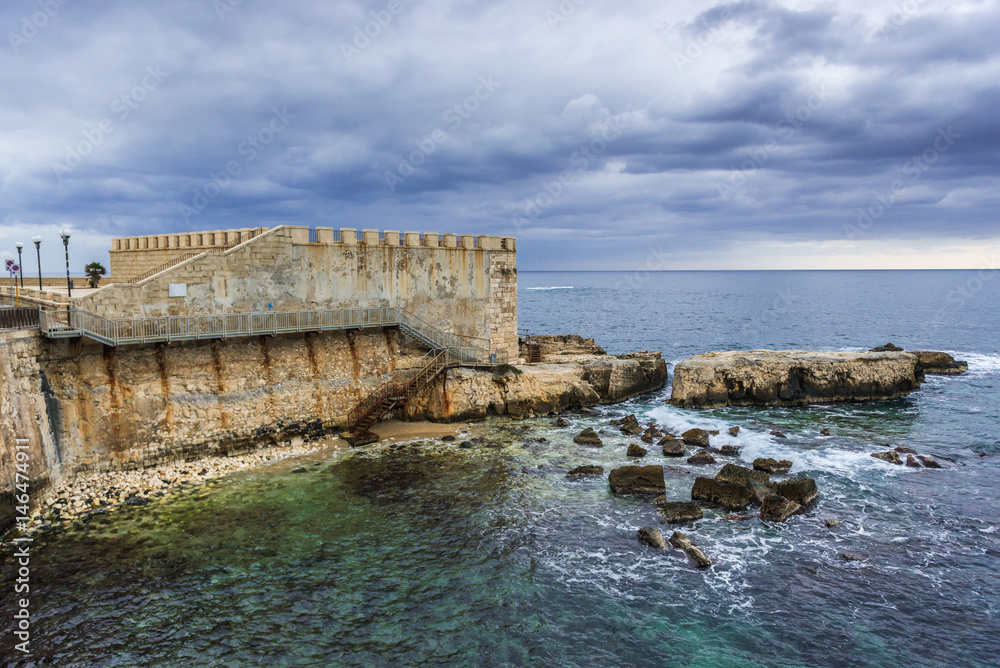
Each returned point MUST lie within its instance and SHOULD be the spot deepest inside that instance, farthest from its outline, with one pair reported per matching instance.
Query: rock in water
(903, 450)
(912, 462)
(777, 434)
(637, 480)
(701, 458)
(824, 432)
(928, 462)
(676, 512)
(682, 542)
(448, 439)
(939, 364)
(697, 437)
(630, 426)
(646, 438)
(652, 537)
(833, 523)
(672, 447)
(734, 431)
(777, 508)
(562, 422)
(587, 470)
(742, 475)
(729, 495)
(772, 466)
(791, 377)
(802, 491)
(588, 437)
(890, 456)
(635, 450)
(730, 450)
(887, 348)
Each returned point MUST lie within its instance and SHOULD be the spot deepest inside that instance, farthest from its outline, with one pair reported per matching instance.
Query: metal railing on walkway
(12, 317)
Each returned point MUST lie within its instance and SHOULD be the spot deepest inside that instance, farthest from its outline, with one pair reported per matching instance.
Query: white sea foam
(552, 287)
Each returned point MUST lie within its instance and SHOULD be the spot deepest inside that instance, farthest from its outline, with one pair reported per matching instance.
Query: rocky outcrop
(672, 447)
(697, 437)
(563, 344)
(635, 450)
(890, 456)
(802, 491)
(472, 394)
(682, 542)
(791, 377)
(701, 458)
(939, 364)
(640, 480)
(778, 509)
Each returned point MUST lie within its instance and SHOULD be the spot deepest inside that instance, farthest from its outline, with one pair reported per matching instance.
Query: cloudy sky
(604, 135)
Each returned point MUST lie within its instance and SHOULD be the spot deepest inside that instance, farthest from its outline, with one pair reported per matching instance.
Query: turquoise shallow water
(434, 555)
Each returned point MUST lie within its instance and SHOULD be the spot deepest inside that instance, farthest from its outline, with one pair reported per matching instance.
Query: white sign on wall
(178, 289)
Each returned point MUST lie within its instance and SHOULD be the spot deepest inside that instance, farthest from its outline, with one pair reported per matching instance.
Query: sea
(428, 554)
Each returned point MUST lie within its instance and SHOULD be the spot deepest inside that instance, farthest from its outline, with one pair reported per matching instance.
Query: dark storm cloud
(585, 127)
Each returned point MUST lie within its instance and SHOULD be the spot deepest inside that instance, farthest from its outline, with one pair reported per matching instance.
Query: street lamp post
(38, 253)
(65, 234)
(19, 246)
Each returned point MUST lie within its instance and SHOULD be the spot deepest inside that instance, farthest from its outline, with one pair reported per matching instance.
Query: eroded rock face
(791, 377)
(939, 364)
(770, 465)
(472, 394)
(641, 480)
(566, 344)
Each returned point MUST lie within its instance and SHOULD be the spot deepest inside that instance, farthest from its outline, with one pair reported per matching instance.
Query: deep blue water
(434, 555)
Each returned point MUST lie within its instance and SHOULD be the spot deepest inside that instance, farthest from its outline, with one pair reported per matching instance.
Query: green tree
(94, 271)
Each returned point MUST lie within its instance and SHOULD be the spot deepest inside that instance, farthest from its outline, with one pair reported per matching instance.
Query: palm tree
(94, 271)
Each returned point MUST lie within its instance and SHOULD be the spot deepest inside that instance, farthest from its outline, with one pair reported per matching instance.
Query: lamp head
(65, 234)
(18, 245)
(37, 240)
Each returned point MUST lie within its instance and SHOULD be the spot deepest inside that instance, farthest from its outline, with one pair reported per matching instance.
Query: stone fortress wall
(466, 284)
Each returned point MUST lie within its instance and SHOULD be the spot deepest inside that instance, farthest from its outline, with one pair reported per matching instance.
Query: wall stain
(220, 386)
(168, 404)
(390, 347)
(115, 401)
(265, 350)
(351, 335)
(314, 371)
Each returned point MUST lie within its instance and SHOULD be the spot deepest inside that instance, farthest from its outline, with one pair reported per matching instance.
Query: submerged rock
(777, 508)
(802, 491)
(682, 542)
(640, 480)
(652, 537)
(635, 450)
(833, 523)
(588, 437)
(791, 377)
(772, 466)
(890, 456)
(586, 470)
(824, 432)
(676, 512)
(777, 434)
(701, 458)
(729, 495)
(697, 437)
(672, 447)
(562, 422)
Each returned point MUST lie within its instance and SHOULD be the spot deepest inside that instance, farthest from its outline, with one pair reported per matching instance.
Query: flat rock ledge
(792, 378)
